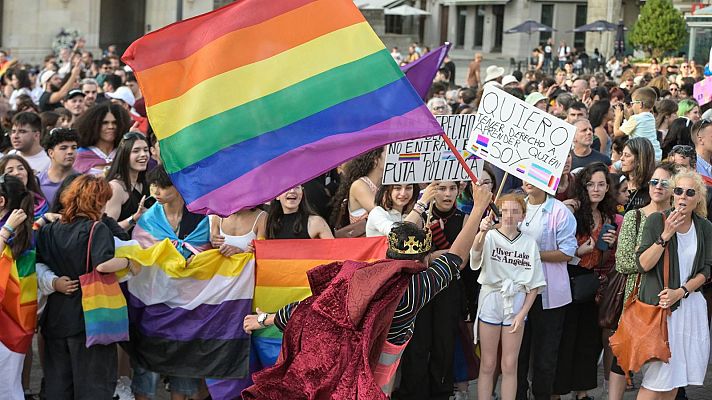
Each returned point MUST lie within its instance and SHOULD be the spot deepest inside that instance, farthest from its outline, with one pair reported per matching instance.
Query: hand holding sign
(521, 139)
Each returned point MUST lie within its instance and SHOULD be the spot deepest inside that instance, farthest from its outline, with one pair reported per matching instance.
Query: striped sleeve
(422, 288)
(283, 315)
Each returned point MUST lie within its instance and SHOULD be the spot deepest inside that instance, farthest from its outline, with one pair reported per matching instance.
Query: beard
(53, 88)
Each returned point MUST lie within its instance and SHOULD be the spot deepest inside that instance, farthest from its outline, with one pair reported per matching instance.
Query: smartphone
(601, 244)
(149, 201)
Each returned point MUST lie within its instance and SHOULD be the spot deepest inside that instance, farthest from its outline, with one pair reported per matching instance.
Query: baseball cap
(124, 94)
(74, 93)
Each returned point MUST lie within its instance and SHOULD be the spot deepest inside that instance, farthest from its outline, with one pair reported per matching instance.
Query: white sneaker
(123, 389)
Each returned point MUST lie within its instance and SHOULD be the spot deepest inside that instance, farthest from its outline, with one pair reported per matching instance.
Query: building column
(488, 31)
(691, 48)
(452, 24)
(470, 28)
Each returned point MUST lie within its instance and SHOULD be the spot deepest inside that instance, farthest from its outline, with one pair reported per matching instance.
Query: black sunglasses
(684, 150)
(134, 135)
(664, 183)
(688, 192)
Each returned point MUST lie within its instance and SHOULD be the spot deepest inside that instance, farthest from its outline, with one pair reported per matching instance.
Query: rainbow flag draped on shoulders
(269, 94)
(186, 320)
(18, 300)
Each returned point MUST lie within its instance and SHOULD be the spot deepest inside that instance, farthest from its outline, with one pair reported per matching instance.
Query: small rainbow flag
(281, 275)
(18, 300)
(409, 157)
(482, 140)
(241, 94)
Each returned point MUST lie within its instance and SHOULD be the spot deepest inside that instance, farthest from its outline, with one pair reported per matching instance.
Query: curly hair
(89, 124)
(584, 213)
(85, 197)
(355, 169)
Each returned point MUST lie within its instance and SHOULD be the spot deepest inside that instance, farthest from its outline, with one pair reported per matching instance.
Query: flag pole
(467, 169)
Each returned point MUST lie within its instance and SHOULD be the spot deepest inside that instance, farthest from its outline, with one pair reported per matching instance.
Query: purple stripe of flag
(421, 72)
(207, 321)
(396, 129)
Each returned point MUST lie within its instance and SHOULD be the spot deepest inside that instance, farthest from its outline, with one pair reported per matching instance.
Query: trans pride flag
(186, 320)
(260, 96)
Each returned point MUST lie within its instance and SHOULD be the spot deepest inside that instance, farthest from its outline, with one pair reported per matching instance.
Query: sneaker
(123, 389)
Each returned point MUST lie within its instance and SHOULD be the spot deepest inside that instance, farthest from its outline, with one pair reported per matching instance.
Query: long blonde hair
(700, 188)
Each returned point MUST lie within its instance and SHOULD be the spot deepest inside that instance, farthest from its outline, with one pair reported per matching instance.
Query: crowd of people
(81, 166)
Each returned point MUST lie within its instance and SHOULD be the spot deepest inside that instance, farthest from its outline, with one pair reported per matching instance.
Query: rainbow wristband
(8, 228)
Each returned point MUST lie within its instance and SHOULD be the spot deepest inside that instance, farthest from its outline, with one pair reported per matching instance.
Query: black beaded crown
(411, 245)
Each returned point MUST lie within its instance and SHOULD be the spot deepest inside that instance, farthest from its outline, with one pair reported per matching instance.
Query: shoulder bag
(106, 318)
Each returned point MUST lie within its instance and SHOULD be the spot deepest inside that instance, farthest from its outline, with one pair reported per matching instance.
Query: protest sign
(521, 139)
(429, 159)
(702, 91)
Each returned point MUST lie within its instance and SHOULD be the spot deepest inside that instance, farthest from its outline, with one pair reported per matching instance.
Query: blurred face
(512, 214)
(567, 164)
(627, 160)
(674, 90)
(579, 87)
(615, 101)
(90, 92)
(446, 195)
(75, 105)
(87, 58)
(15, 82)
(685, 196)
(133, 85)
(660, 190)
(156, 152)
(106, 69)
(401, 195)
(439, 108)
(63, 154)
(597, 187)
(622, 195)
(541, 104)
(681, 160)
(584, 134)
(629, 84)
(139, 156)
(487, 180)
(16, 169)
(592, 82)
(108, 128)
(694, 114)
(24, 137)
(290, 199)
(55, 81)
(560, 77)
(164, 195)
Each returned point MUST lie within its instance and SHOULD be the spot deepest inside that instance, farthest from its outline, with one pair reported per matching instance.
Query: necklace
(534, 215)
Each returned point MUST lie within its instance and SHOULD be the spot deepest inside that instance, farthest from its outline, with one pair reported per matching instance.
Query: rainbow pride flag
(281, 279)
(260, 96)
(186, 320)
(18, 300)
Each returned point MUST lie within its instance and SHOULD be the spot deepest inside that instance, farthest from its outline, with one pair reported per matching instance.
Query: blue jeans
(144, 383)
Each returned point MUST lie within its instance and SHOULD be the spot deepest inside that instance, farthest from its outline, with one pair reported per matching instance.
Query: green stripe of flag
(277, 110)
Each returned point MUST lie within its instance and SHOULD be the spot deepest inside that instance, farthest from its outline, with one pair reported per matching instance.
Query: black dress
(290, 229)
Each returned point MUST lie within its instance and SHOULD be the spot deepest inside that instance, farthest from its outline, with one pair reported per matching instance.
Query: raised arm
(465, 239)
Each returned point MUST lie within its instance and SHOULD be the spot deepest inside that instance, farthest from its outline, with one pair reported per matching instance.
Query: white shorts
(492, 308)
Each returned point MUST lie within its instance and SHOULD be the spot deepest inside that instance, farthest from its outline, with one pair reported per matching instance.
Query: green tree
(660, 28)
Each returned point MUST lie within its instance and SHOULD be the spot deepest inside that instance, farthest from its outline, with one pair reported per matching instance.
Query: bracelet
(45, 219)
(422, 205)
(128, 264)
(8, 228)
(132, 221)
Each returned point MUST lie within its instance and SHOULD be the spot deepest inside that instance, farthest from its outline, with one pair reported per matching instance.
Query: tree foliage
(660, 28)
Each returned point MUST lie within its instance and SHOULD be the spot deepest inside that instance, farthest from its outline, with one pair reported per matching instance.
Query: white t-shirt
(39, 162)
(643, 125)
(533, 223)
(380, 221)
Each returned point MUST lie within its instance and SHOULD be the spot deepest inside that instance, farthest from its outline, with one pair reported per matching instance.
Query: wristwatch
(132, 221)
(687, 292)
(261, 319)
(661, 242)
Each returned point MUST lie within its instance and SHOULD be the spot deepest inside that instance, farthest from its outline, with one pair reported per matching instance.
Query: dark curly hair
(89, 124)
(355, 169)
(584, 213)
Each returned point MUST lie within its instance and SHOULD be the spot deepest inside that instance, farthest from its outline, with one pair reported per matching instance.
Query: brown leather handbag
(642, 334)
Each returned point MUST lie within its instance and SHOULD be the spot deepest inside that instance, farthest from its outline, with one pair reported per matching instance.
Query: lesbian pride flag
(260, 96)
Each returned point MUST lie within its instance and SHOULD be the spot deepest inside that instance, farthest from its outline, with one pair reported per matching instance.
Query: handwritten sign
(429, 159)
(702, 91)
(521, 139)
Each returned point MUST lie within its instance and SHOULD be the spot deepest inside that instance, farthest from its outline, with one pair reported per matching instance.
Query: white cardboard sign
(521, 139)
(429, 159)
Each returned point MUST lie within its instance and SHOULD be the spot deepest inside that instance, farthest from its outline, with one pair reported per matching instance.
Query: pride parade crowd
(524, 299)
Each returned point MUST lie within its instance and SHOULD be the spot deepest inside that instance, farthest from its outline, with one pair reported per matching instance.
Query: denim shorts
(144, 383)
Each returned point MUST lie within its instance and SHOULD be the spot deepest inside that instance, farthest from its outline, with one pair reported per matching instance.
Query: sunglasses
(664, 183)
(134, 135)
(688, 192)
(684, 150)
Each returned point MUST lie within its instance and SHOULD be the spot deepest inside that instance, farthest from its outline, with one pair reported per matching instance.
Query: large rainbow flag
(18, 300)
(186, 320)
(269, 94)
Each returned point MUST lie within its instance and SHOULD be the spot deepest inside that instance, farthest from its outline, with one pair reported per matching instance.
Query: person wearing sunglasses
(626, 259)
(685, 233)
(701, 133)
(127, 177)
(684, 156)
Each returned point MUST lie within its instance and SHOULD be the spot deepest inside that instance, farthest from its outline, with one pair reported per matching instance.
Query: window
(394, 24)
(580, 37)
(547, 18)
